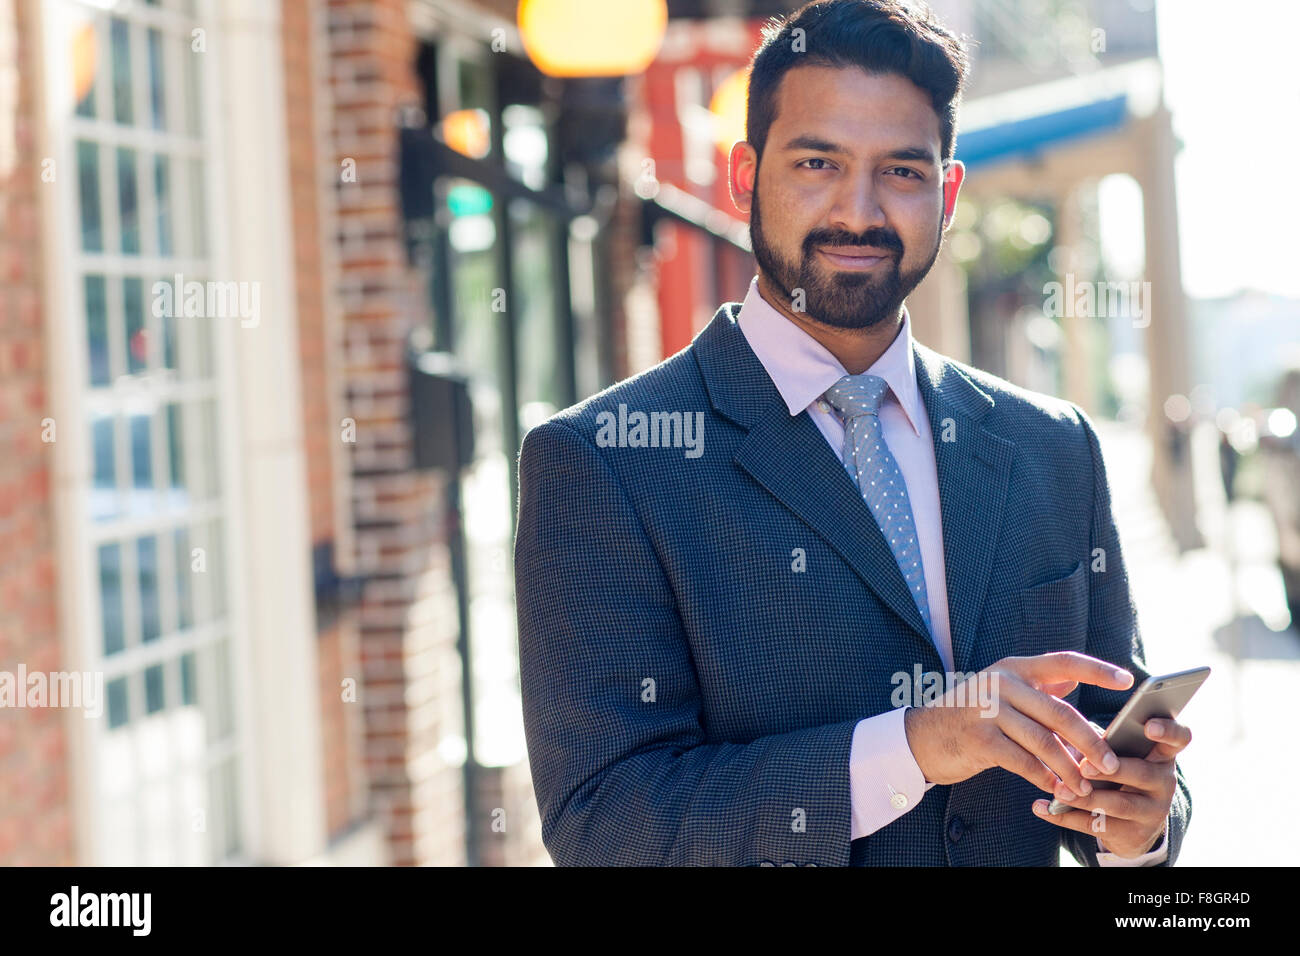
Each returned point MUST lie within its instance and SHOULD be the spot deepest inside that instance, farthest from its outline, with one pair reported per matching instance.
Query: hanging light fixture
(468, 132)
(728, 108)
(592, 37)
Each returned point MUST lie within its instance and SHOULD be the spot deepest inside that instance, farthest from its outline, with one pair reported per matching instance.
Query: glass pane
(224, 817)
(216, 554)
(218, 710)
(103, 492)
(141, 457)
(163, 199)
(211, 450)
(538, 326)
(168, 323)
(193, 93)
(118, 710)
(184, 580)
(128, 201)
(121, 71)
(156, 102)
(110, 597)
(97, 329)
(85, 57)
(92, 236)
(175, 456)
(189, 680)
(198, 238)
(137, 335)
(147, 560)
(194, 332)
(154, 697)
(199, 476)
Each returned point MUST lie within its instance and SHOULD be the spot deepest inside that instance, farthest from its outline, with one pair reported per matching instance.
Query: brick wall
(320, 350)
(35, 811)
(409, 664)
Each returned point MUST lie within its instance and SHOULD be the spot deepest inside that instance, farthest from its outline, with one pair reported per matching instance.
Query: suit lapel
(974, 469)
(789, 457)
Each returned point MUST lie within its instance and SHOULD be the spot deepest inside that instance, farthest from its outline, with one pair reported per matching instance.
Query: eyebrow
(816, 143)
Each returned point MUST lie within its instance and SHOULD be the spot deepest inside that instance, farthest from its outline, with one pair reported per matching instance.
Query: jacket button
(789, 863)
(955, 829)
(767, 863)
(810, 864)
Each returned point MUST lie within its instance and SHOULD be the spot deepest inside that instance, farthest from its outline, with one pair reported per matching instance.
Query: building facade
(230, 229)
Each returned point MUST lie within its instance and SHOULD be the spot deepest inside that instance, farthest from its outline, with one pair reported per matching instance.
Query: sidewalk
(1241, 761)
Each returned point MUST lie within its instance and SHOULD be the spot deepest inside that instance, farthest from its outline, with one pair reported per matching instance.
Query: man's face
(853, 197)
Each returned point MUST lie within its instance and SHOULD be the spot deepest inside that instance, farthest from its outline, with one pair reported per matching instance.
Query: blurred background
(284, 282)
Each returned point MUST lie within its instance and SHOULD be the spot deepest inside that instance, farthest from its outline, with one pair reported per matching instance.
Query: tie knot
(855, 395)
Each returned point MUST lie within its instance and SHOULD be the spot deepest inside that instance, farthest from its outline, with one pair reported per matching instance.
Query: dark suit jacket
(689, 699)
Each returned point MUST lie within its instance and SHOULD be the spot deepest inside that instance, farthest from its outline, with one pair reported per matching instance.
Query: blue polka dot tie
(866, 457)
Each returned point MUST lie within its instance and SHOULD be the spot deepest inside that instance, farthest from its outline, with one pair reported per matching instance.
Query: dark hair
(880, 36)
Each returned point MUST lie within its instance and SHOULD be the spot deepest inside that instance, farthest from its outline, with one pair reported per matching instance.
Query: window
(167, 761)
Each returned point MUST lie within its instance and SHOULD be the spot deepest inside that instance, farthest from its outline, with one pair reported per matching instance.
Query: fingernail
(1155, 729)
(1110, 764)
(1040, 806)
(1087, 769)
(1121, 674)
(1085, 788)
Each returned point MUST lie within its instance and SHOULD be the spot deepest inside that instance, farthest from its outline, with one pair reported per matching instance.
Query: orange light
(83, 61)
(592, 37)
(728, 109)
(467, 132)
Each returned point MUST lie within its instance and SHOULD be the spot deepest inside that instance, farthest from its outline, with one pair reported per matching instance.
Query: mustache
(877, 237)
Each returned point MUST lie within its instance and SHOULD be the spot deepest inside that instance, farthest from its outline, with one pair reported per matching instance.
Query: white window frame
(271, 638)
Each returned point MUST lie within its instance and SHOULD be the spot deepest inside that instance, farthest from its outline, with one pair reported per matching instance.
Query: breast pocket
(1054, 614)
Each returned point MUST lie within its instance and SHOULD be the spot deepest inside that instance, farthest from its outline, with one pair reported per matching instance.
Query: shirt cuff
(1150, 858)
(884, 779)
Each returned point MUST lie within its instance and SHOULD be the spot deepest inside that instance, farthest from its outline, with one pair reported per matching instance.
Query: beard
(843, 299)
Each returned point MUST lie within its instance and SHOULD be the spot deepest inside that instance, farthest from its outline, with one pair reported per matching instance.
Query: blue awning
(1034, 135)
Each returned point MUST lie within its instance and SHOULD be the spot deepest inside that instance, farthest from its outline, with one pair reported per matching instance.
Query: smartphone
(1162, 696)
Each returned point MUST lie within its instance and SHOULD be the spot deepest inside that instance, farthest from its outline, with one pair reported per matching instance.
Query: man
(809, 592)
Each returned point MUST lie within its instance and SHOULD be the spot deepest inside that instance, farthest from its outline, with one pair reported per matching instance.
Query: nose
(857, 207)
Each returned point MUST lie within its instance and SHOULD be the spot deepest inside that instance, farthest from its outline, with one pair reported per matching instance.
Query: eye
(907, 171)
(814, 159)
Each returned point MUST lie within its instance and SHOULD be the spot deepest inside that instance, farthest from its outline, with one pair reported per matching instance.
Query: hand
(1132, 817)
(955, 738)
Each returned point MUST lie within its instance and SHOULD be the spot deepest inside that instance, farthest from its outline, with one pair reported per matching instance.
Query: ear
(954, 173)
(742, 171)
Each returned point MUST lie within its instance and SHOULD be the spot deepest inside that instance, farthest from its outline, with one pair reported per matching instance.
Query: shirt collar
(802, 369)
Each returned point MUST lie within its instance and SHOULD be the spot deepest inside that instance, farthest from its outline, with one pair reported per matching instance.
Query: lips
(850, 257)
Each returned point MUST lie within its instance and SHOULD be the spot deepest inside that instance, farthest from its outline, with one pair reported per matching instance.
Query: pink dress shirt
(885, 781)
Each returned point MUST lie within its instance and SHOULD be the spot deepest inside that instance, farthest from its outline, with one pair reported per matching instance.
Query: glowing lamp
(728, 109)
(592, 37)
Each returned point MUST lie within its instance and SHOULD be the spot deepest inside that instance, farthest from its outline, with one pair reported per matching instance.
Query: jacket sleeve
(612, 702)
(1114, 636)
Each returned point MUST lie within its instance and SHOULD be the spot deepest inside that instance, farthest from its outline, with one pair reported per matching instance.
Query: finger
(1061, 689)
(1012, 757)
(1081, 820)
(1071, 749)
(1064, 666)
(1045, 746)
(1137, 772)
(1137, 806)
(1171, 736)
(1062, 719)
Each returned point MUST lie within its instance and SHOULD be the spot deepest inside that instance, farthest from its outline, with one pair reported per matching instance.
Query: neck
(856, 349)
